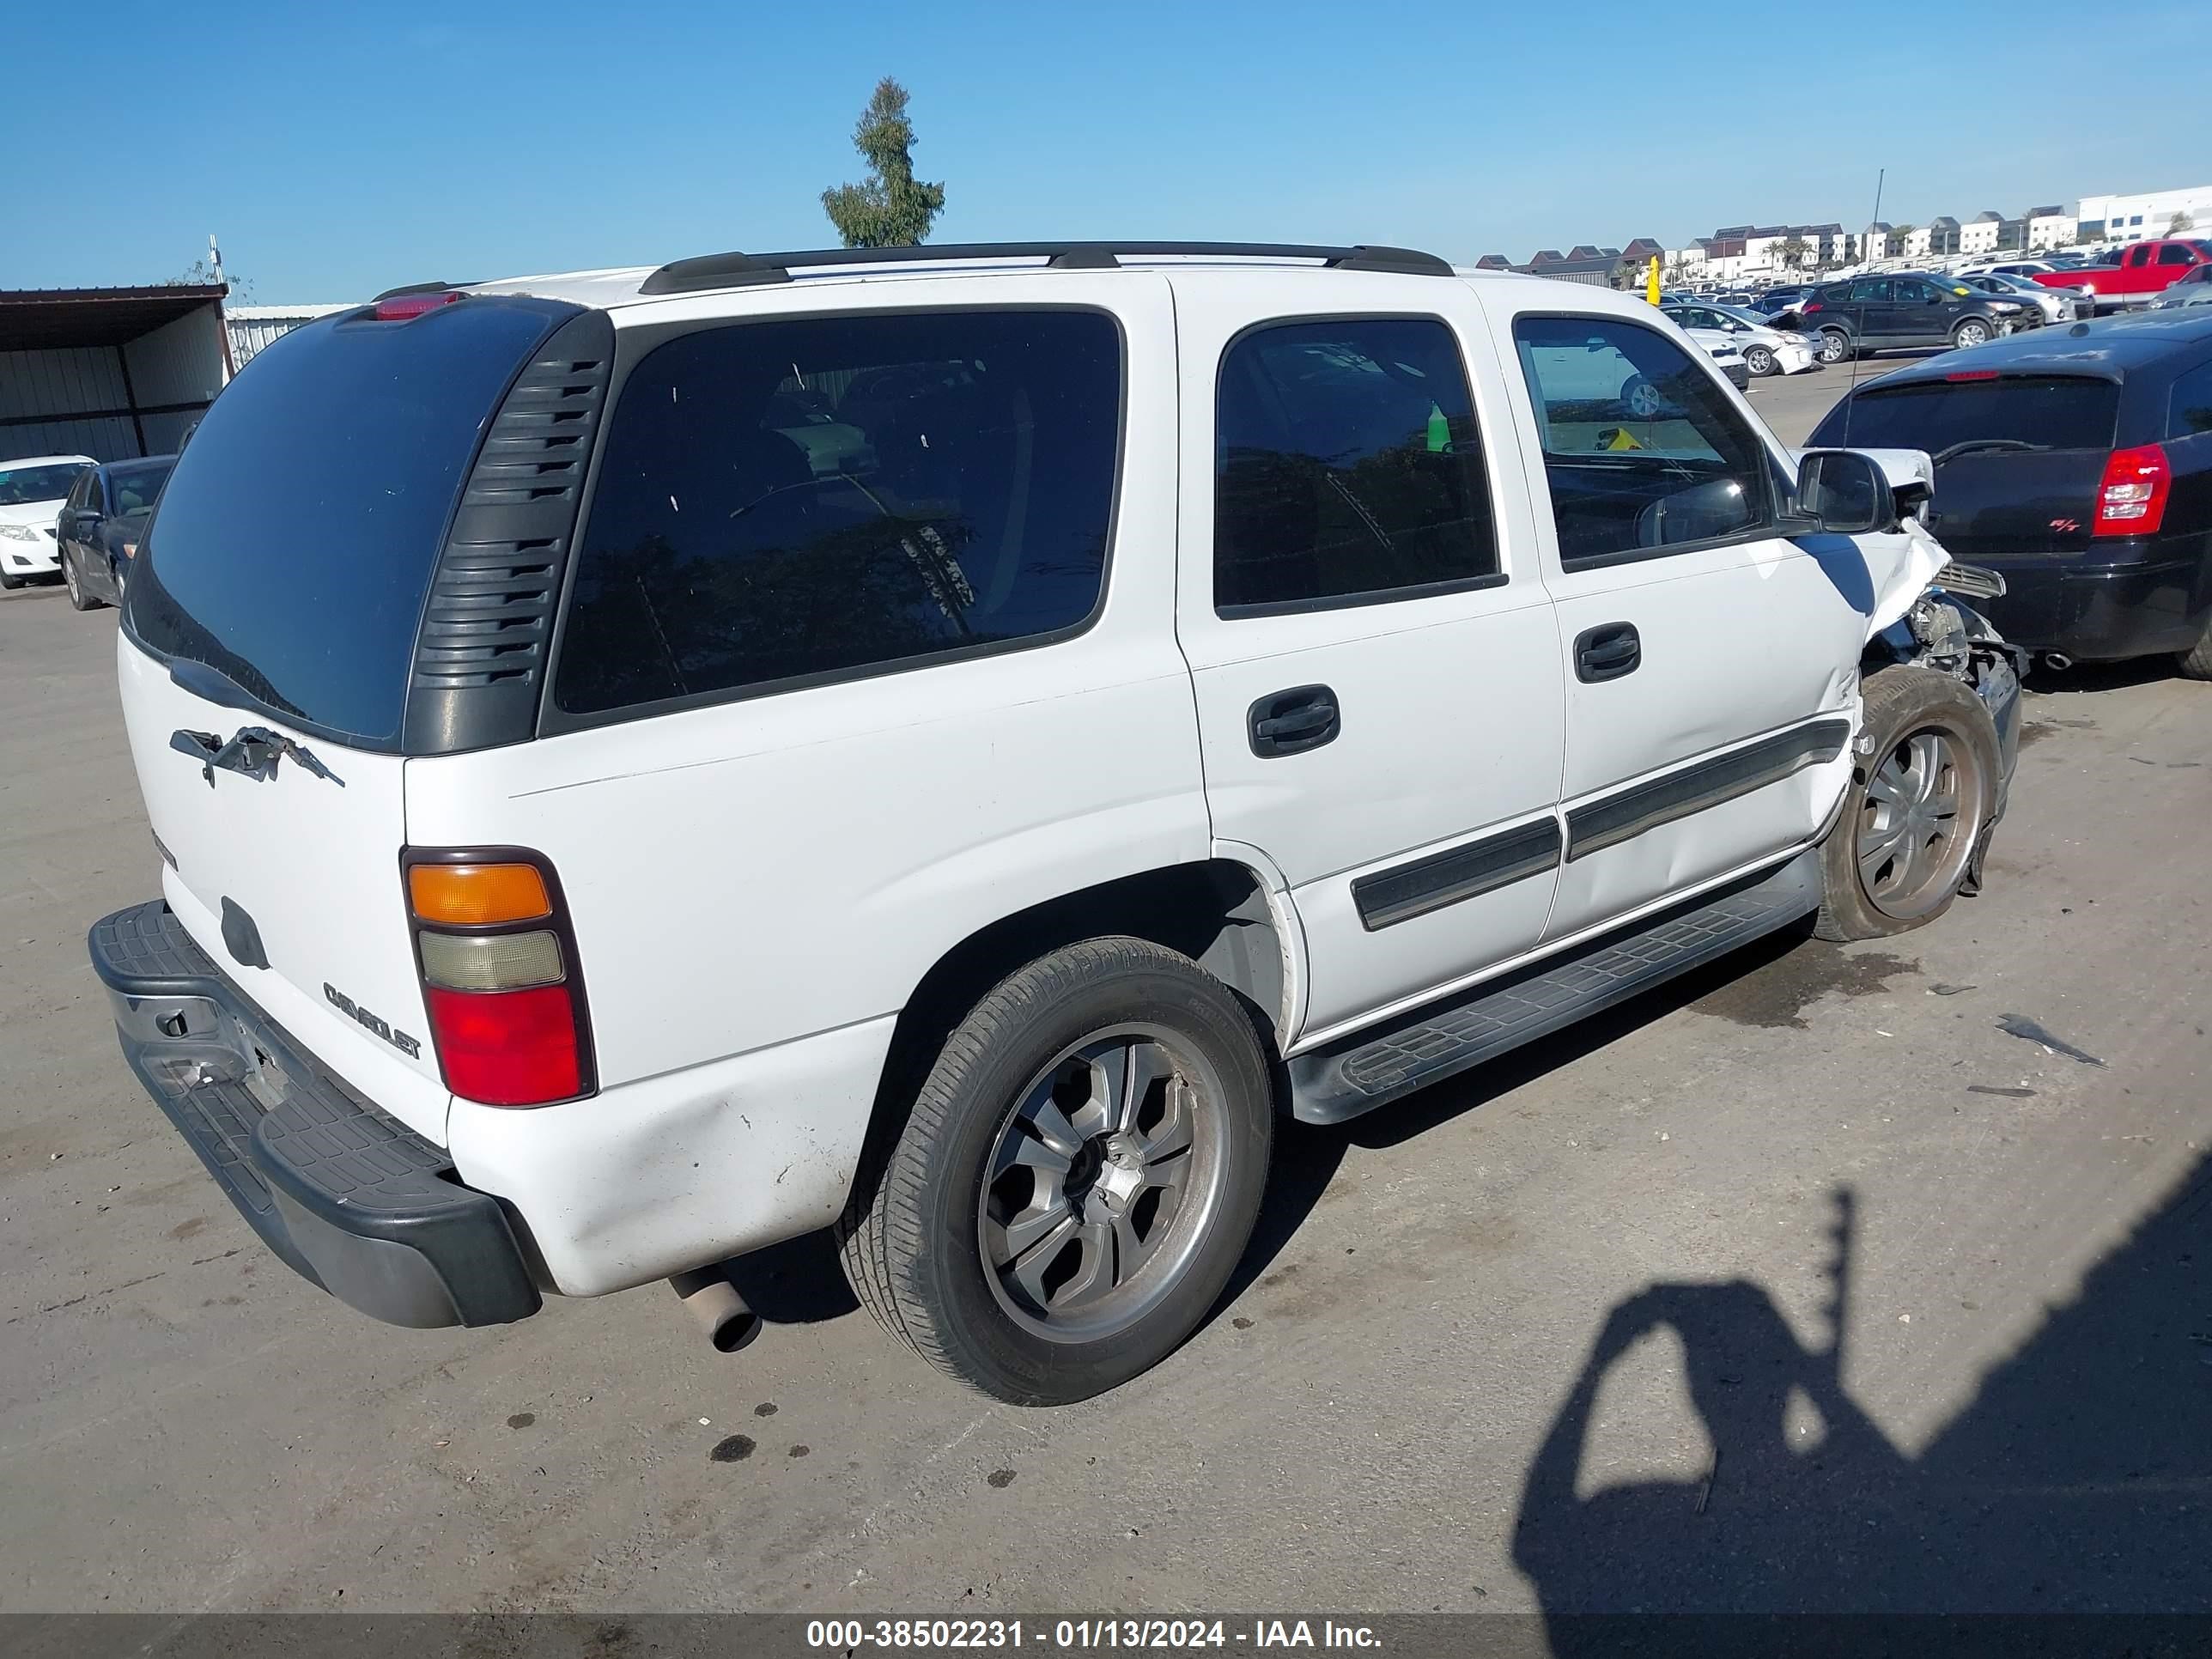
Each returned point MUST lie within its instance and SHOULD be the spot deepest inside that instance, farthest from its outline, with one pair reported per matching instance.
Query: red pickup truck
(2145, 269)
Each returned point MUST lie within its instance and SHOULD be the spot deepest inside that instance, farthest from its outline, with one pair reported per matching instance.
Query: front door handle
(1607, 652)
(1291, 722)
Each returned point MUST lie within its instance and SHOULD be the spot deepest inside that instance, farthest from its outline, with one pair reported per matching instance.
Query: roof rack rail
(714, 270)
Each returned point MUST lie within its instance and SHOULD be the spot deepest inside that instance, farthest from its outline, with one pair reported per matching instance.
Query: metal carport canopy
(108, 371)
(33, 319)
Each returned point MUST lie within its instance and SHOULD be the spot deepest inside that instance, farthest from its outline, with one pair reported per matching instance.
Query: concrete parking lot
(1866, 1276)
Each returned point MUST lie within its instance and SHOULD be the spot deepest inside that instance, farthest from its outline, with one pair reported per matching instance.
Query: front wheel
(1972, 332)
(1760, 360)
(78, 598)
(1835, 345)
(1078, 1178)
(1923, 791)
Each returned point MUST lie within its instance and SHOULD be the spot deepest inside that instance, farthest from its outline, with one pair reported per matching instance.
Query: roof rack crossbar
(715, 270)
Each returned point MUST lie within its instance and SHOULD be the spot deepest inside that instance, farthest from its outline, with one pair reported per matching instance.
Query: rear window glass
(781, 501)
(296, 537)
(2041, 411)
(1348, 466)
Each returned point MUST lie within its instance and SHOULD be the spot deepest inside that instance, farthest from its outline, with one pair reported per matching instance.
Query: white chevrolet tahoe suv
(951, 744)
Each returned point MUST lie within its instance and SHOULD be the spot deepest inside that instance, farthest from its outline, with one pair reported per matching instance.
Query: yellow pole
(1651, 280)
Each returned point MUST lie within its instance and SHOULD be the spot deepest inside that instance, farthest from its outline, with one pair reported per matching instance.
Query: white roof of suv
(617, 287)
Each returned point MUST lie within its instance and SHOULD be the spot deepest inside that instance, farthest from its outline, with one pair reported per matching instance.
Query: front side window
(1642, 451)
(1348, 467)
(793, 500)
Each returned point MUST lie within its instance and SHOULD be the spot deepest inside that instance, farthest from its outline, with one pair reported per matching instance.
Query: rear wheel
(1078, 1178)
(1835, 345)
(1760, 360)
(1973, 332)
(2197, 662)
(1919, 802)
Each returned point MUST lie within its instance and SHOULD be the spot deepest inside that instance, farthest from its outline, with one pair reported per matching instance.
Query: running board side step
(1376, 1067)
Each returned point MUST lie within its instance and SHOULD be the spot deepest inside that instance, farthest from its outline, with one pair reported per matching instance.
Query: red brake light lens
(1810, 306)
(400, 307)
(501, 981)
(2131, 498)
(1973, 374)
(508, 1048)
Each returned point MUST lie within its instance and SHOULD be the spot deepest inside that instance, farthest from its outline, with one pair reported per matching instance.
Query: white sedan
(1766, 350)
(32, 491)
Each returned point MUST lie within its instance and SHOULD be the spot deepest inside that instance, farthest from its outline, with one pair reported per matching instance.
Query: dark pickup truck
(2077, 462)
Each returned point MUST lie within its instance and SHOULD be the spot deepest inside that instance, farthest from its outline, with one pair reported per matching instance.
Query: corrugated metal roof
(34, 318)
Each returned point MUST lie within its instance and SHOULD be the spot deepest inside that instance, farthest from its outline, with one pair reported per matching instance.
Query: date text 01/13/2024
(991, 1634)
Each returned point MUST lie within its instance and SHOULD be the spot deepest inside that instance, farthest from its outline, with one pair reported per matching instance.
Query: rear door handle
(1607, 652)
(1291, 722)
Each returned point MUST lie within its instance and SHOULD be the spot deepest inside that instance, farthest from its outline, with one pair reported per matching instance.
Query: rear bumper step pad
(350, 1198)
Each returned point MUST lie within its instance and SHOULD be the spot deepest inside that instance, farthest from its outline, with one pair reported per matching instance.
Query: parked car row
(1869, 314)
(71, 519)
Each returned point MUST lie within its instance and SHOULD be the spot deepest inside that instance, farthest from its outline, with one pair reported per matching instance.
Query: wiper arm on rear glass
(251, 751)
(1971, 445)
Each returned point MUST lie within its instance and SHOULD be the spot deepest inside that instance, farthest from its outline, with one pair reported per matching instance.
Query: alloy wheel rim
(1832, 347)
(1973, 334)
(1103, 1180)
(68, 578)
(1918, 826)
(1759, 360)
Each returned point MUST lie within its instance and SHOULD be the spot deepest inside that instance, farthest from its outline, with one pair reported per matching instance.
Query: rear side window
(2190, 410)
(296, 536)
(2176, 254)
(1348, 468)
(1643, 453)
(780, 502)
(2051, 411)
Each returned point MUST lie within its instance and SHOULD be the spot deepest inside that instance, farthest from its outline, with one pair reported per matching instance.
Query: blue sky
(339, 155)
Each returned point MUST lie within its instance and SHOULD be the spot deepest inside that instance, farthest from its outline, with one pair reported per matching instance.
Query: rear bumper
(350, 1198)
(2103, 613)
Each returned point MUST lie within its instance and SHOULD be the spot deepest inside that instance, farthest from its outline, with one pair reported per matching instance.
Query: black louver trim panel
(481, 658)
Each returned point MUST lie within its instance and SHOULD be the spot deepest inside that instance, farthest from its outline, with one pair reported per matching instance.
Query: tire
(1973, 332)
(2195, 663)
(1922, 729)
(1835, 346)
(10, 583)
(78, 598)
(1760, 360)
(961, 1265)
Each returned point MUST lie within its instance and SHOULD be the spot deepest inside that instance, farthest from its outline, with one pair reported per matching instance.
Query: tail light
(500, 981)
(2131, 499)
(404, 307)
(1810, 306)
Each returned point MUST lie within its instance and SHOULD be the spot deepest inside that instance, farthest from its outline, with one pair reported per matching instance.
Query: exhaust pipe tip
(721, 1313)
(2058, 659)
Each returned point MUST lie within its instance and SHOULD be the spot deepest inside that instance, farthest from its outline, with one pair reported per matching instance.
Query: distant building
(2131, 218)
(2048, 227)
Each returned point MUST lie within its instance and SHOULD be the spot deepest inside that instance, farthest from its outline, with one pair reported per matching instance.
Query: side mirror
(1844, 492)
(88, 518)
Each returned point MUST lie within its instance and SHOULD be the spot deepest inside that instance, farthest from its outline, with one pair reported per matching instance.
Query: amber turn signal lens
(472, 895)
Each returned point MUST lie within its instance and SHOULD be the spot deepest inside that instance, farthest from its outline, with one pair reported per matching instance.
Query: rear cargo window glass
(2191, 415)
(296, 536)
(2038, 411)
(1348, 467)
(780, 501)
(1642, 451)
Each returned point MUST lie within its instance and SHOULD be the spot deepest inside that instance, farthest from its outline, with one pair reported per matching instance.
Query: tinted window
(2175, 254)
(783, 500)
(23, 486)
(1642, 450)
(1347, 465)
(1876, 291)
(136, 484)
(297, 534)
(2046, 411)
(2191, 410)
